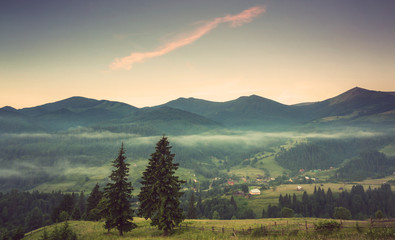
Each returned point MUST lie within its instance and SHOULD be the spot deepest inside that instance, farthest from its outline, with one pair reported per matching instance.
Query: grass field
(279, 228)
(389, 150)
(264, 161)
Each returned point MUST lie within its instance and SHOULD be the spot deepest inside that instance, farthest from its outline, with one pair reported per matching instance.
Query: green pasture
(283, 228)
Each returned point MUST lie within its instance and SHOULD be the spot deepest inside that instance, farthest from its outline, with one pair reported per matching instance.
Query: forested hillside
(370, 164)
(326, 153)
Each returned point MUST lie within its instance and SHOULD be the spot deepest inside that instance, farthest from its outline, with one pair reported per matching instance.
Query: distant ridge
(355, 103)
(192, 115)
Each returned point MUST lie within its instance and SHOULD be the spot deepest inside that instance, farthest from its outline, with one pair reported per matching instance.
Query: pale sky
(146, 53)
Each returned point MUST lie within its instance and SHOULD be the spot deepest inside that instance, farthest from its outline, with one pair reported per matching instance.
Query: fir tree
(233, 202)
(82, 204)
(118, 192)
(191, 208)
(92, 202)
(160, 192)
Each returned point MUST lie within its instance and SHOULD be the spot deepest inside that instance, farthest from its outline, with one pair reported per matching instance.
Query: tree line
(356, 204)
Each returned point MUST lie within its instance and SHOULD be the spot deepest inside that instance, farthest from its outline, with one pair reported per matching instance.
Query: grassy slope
(389, 150)
(94, 230)
(264, 161)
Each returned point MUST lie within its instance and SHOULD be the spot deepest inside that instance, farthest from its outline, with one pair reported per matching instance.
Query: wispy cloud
(237, 20)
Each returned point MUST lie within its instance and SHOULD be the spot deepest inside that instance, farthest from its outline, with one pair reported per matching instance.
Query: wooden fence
(293, 228)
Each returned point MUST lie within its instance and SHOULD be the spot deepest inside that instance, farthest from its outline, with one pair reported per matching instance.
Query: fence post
(305, 223)
(212, 228)
(223, 229)
(249, 230)
(275, 224)
(234, 233)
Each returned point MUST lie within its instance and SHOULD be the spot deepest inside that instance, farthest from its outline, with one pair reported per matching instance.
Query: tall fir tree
(160, 192)
(118, 193)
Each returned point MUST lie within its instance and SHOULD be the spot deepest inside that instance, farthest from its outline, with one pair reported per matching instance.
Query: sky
(147, 53)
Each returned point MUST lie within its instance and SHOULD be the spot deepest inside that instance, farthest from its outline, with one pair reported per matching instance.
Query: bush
(63, 233)
(326, 226)
(342, 213)
(260, 232)
(287, 212)
(380, 233)
(379, 214)
(64, 216)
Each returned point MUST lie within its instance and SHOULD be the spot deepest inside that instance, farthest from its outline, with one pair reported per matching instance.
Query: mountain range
(190, 115)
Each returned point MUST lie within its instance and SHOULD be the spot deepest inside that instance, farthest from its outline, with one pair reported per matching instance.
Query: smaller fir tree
(93, 200)
(191, 208)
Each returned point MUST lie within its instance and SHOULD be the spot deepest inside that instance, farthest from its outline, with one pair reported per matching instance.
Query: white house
(255, 191)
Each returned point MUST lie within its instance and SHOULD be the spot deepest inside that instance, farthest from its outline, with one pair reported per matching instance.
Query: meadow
(279, 228)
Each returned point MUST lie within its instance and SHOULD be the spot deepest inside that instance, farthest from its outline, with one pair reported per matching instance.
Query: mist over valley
(67, 145)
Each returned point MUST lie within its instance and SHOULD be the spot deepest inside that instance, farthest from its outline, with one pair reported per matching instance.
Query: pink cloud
(237, 20)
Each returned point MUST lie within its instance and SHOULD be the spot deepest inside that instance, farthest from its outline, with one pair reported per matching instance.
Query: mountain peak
(353, 94)
(9, 109)
(358, 90)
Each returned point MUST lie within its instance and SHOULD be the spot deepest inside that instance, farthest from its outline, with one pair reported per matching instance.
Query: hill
(160, 120)
(250, 112)
(359, 106)
(76, 111)
(354, 106)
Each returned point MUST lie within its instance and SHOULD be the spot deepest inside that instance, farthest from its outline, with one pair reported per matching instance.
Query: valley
(223, 149)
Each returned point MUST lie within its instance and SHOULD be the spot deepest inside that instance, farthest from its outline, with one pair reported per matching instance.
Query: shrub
(379, 214)
(287, 212)
(64, 216)
(380, 233)
(63, 233)
(326, 226)
(260, 232)
(342, 213)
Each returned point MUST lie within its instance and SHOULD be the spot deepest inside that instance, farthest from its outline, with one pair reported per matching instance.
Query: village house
(231, 182)
(255, 191)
